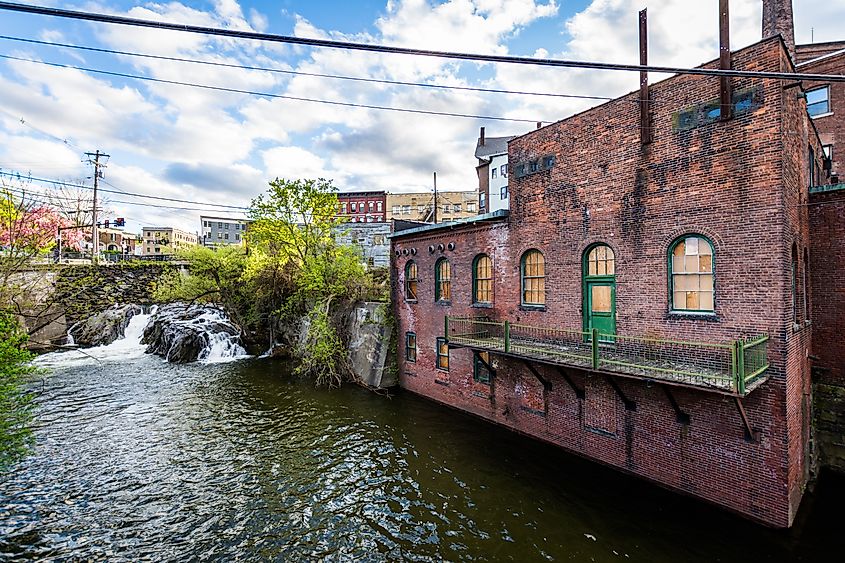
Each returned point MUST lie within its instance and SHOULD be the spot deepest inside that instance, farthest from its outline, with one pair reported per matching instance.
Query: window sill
(409, 361)
(442, 382)
(693, 316)
(410, 301)
(527, 307)
(482, 305)
(821, 115)
(443, 303)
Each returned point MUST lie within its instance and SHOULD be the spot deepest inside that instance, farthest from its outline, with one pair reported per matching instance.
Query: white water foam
(121, 349)
(222, 347)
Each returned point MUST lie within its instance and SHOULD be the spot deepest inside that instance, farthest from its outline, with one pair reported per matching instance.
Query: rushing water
(138, 459)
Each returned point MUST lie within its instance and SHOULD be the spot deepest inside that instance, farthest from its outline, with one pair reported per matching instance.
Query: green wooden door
(600, 291)
(601, 307)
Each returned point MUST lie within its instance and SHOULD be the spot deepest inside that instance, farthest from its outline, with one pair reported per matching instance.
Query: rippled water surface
(137, 459)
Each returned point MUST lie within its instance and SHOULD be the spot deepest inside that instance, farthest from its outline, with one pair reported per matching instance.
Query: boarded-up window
(411, 281)
(601, 262)
(411, 347)
(442, 281)
(533, 278)
(482, 282)
(442, 354)
(692, 275)
(600, 406)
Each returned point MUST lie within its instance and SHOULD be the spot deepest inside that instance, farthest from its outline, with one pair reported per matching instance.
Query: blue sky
(222, 148)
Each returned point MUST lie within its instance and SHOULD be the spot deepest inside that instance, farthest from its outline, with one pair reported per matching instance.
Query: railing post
(740, 367)
(507, 336)
(595, 338)
(734, 371)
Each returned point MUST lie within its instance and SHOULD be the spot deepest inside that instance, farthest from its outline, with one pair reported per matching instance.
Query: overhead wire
(20, 176)
(270, 95)
(304, 73)
(377, 48)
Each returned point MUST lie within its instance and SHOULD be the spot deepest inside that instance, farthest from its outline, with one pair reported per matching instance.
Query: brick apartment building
(419, 206)
(646, 307)
(363, 207)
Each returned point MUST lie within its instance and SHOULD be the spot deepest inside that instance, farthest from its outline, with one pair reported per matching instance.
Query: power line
(115, 191)
(33, 127)
(303, 73)
(376, 48)
(268, 95)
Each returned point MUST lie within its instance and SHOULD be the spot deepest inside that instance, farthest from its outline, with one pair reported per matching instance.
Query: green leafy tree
(15, 401)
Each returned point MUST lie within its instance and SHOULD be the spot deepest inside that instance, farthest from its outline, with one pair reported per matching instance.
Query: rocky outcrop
(369, 330)
(180, 333)
(103, 328)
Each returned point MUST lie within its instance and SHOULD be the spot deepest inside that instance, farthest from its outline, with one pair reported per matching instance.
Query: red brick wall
(728, 181)
(831, 127)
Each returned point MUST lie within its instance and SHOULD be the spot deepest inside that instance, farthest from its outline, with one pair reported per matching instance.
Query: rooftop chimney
(777, 20)
(481, 138)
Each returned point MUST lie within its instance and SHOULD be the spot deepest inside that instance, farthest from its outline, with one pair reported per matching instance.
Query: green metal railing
(731, 366)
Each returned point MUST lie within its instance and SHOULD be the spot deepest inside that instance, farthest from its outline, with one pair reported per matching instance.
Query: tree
(15, 401)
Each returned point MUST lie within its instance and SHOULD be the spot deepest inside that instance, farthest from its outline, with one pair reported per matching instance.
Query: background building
(492, 169)
(363, 207)
(165, 241)
(117, 240)
(218, 231)
(372, 240)
(419, 206)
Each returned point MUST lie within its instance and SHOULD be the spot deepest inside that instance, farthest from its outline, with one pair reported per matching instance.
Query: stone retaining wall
(829, 411)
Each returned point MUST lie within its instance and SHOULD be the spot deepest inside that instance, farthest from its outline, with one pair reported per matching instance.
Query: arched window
(533, 274)
(691, 282)
(601, 261)
(806, 285)
(794, 278)
(411, 281)
(442, 280)
(482, 279)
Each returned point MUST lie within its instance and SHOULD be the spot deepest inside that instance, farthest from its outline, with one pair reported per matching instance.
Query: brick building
(363, 207)
(645, 307)
(419, 206)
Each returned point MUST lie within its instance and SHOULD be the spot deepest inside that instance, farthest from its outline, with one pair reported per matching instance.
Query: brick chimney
(777, 20)
(481, 137)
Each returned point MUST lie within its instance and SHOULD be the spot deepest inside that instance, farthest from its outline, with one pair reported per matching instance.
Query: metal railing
(727, 366)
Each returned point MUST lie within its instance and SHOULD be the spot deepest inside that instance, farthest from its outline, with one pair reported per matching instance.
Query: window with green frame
(442, 354)
(480, 371)
(411, 281)
(442, 280)
(482, 279)
(692, 272)
(411, 346)
(533, 278)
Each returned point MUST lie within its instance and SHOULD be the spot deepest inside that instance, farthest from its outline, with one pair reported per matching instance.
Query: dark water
(141, 460)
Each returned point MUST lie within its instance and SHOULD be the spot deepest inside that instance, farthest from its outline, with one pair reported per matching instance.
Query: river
(137, 459)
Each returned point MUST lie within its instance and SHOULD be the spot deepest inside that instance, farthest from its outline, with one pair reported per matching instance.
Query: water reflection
(147, 460)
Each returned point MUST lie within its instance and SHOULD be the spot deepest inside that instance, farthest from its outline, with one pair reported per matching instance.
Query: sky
(220, 148)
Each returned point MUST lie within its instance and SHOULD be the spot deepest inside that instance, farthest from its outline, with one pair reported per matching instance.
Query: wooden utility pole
(725, 63)
(645, 103)
(95, 237)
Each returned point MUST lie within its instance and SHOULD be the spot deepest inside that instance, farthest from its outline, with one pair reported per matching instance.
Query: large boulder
(103, 328)
(185, 333)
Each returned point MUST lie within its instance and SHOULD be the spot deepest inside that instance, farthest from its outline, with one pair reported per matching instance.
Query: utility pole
(95, 238)
(435, 198)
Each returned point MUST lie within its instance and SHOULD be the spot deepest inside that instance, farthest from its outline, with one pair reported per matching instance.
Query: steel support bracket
(547, 385)
(578, 392)
(750, 433)
(629, 404)
(680, 416)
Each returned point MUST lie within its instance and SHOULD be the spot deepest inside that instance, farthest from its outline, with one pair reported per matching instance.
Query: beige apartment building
(162, 241)
(451, 206)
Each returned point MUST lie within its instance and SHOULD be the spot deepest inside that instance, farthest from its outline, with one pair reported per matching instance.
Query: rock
(181, 334)
(103, 328)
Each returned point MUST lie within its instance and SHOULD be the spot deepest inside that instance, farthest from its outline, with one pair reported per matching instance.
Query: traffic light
(119, 222)
(106, 223)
